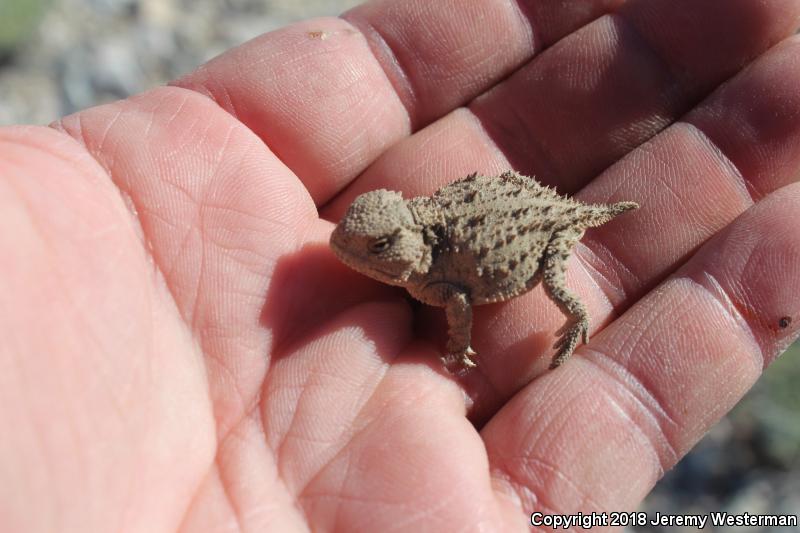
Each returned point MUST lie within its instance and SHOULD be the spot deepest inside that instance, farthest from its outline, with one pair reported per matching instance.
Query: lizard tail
(598, 215)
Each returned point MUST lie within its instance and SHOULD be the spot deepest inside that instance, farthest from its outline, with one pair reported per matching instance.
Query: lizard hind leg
(554, 268)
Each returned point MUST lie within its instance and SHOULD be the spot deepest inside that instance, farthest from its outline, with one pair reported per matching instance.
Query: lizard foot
(568, 341)
(460, 363)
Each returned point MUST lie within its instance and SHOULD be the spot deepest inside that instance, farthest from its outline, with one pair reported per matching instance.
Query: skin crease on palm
(182, 352)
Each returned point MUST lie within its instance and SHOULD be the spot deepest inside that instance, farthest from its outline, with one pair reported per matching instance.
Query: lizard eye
(379, 245)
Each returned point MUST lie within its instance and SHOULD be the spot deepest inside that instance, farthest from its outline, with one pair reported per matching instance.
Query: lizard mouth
(394, 277)
(372, 271)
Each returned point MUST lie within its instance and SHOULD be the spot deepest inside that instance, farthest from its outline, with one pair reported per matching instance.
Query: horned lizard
(475, 241)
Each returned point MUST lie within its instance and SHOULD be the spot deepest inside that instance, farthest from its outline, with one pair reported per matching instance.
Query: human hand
(181, 351)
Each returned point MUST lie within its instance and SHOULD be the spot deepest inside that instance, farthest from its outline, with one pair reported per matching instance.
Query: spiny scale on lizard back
(494, 231)
(502, 209)
(509, 189)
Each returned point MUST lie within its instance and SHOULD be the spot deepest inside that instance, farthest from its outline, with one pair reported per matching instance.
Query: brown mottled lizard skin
(477, 240)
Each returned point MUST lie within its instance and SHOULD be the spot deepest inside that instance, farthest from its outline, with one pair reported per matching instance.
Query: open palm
(181, 351)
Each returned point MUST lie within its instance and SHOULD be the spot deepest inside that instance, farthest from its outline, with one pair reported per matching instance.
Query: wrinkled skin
(182, 352)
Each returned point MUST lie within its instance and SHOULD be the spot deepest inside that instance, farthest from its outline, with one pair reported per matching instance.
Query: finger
(590, 99)
(754, 121)
(448, 149)
(616, 83)
(649, 386)
(328, 99)
(314, 93)
(440, 55)
(704, 171)
(217, 211)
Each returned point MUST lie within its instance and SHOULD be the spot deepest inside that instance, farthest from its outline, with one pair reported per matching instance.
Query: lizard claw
(460, 363)
(568, 341)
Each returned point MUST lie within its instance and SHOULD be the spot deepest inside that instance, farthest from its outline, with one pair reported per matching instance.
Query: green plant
(18, 18)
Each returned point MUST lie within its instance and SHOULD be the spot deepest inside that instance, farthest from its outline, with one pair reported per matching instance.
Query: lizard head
(379, 237)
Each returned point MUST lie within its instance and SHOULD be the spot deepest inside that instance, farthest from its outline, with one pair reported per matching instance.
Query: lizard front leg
(458, 309)
(459, 331)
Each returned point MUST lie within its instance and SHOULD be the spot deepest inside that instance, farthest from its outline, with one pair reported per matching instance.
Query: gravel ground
(86, 52)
